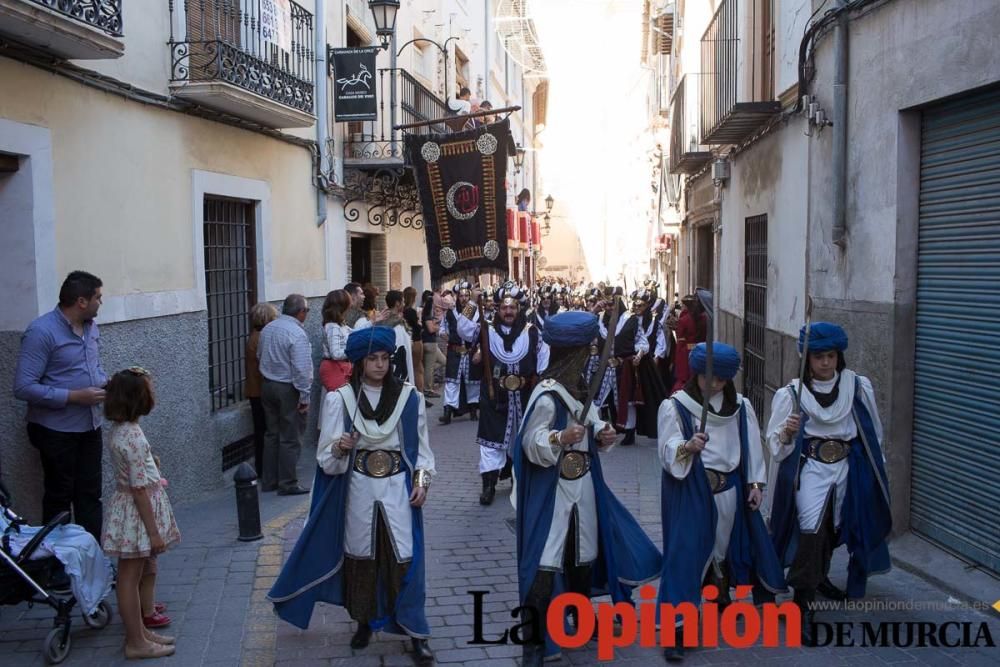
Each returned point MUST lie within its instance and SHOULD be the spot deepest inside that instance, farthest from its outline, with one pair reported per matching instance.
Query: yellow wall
(122, 181)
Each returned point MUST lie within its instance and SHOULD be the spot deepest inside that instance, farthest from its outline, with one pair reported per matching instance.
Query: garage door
(956, 430)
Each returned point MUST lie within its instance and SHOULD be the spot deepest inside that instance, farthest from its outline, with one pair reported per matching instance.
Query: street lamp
(547, 227)
(518, 158)
(549, 203)
(384, 13)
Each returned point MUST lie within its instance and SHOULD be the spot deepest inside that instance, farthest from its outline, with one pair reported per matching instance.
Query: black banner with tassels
(461, 179)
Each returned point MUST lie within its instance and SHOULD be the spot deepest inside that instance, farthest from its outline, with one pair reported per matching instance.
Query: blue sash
(314, 570)
(626, 556)
(689, 519)
(865, 518)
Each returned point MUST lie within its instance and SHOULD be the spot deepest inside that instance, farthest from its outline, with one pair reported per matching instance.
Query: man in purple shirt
(59, 374)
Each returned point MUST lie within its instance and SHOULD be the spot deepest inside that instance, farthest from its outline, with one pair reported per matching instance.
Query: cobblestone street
(215, 587)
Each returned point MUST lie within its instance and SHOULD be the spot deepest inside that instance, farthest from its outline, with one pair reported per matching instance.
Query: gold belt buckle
(379, 463)
(831, 451)
(613, 362)
(716, 480)
(594, 351)
(573, 465)
(513, 382)
(461, 351)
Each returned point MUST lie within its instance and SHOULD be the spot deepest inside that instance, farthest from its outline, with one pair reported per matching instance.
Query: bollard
(247, 503)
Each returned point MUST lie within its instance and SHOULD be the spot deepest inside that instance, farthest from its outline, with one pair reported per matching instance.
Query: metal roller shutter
(956, 429)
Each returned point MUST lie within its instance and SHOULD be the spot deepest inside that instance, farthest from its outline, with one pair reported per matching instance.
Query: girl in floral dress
(138, 522)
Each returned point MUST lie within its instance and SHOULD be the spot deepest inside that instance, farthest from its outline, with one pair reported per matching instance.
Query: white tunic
(575, 494)
(368, 495)
(836, 422)
(722, 453)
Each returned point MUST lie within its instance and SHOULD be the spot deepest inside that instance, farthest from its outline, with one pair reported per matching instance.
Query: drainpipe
(322, 113)
(486, 48)
(839, 157)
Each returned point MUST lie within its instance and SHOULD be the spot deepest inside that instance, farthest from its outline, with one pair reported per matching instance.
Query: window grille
(755, 311)
(231, 290)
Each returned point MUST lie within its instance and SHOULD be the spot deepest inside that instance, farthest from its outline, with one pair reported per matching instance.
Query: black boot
(721, 583)
(629, 437)
(421, 651)
(489, 487)
(505, 472)
(804, 599)
(829, 591)
(445, 418)
(362, 636)
(474, 413)
(675, 653)
(538, 598)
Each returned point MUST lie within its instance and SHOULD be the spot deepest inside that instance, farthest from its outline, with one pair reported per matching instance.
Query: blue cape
(626, 557)
(865, 518)
(314, 570)
(689, 517)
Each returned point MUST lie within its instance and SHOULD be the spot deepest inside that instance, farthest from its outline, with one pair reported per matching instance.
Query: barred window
(231, 290)
(755, 311)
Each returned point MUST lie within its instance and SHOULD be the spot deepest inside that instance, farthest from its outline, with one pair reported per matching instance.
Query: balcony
(736, 101)
(687, 152)
(250, 59)
(374, 143)
(72, 29)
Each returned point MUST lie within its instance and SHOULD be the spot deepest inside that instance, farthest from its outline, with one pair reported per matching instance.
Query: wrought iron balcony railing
(103, 14)
(265, 47)
(737, 101)
(687, 152)
(375, 141)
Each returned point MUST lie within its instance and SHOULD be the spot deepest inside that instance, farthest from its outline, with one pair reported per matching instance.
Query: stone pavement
(215, 586)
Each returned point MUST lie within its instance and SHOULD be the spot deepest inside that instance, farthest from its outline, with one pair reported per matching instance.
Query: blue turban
(823, 337)
(725, 362)
(370, 340)
(570, 329)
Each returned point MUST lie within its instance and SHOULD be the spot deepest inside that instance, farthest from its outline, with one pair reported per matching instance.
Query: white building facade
(858, 173)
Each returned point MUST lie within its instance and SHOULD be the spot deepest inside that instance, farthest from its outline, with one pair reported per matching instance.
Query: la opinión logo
(702, 628)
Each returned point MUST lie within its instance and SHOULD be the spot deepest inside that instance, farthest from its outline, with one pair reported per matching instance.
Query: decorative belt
(460, 349)
(574, 465)
(614, 362)
(827, 451)
(378, 462)
(513, 382)
(719, 481)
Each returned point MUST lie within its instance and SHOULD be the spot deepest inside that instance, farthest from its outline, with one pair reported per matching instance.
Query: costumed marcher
(831, 485)
(691, 327)
(544, 309)
(461, 376)
(648, 370)
(573, 534)
(712, 482)
(362, 546)
(517, 355)
(630, 346)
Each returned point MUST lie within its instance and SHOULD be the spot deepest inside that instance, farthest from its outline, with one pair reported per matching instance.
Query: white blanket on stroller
(89, 570)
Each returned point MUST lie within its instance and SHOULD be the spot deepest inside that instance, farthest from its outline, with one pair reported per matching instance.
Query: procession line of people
(529, 374)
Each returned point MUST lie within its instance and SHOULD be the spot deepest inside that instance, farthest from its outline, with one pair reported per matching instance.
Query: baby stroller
(30, 572)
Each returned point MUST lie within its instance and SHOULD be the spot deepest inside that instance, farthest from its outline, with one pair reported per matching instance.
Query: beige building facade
(188, 157)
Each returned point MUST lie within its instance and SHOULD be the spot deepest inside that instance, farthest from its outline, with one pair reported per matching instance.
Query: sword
(602, 366)
(705, 299)
(484, 347)
(357, 398)
(805, 355)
